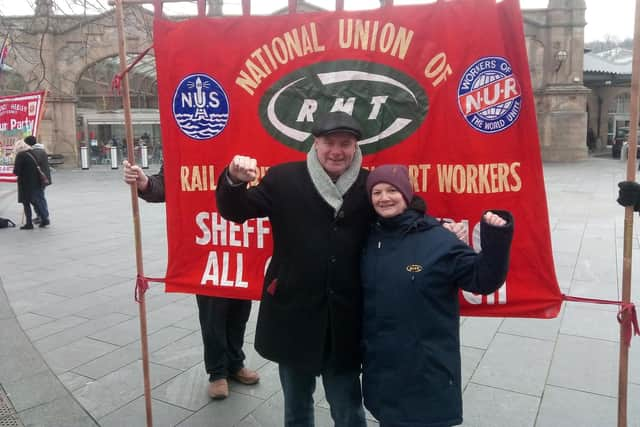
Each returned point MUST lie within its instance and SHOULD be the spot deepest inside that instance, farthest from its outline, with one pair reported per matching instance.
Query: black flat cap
(335, 122)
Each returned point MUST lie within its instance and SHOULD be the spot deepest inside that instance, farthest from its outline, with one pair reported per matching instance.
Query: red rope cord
(142, 285)
(116, 83)
(627, 315)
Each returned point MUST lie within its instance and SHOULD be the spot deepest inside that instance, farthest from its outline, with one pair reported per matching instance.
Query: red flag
(19, 116)
(443, 88)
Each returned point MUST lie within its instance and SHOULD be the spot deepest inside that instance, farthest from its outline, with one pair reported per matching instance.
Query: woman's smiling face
(387, 200)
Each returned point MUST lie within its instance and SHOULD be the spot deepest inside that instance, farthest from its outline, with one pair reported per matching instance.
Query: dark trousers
(39, 202)
(36, 198)
(222, 322)
(27, 213)
(342, 391)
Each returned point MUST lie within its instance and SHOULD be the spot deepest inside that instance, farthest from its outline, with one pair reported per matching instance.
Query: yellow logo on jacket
(414, 268)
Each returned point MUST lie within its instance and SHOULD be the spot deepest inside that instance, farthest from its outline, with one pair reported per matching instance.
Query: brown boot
(218, 389)
(246, 376)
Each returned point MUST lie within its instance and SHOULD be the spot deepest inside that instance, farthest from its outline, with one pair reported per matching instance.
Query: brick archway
(52, 52)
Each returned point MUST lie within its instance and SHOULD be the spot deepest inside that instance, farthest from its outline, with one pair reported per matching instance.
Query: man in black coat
(41, 156)
(310, 313)
(222, 320)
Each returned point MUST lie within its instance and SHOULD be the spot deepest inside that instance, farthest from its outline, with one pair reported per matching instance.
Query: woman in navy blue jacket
(412, 269)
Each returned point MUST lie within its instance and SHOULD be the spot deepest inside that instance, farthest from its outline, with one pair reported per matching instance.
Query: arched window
(621, 104)
(94, 91)
(618, 120)
(100, 119)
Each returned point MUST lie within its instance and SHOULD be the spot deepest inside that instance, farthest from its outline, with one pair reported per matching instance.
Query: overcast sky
(604, 17)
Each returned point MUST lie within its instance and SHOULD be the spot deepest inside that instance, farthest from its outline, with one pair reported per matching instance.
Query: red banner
(443, 88)
(19, 117)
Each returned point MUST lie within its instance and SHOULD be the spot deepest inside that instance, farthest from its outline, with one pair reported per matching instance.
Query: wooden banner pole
(142, 308)
(623, 366)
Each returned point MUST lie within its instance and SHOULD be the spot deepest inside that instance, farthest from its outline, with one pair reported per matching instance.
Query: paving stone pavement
(69, 331)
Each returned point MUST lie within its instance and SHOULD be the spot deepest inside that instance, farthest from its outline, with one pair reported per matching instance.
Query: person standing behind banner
(412, 270)
(222, 320)
(42, 157)
(29, 186)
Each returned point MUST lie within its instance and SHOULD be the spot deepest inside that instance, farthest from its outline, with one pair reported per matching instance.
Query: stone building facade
(555, 45)
(56, 53)
(608, 75)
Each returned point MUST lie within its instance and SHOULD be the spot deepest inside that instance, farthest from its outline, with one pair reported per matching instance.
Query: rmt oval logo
(389, 105)
(200, 107)
(489, 95)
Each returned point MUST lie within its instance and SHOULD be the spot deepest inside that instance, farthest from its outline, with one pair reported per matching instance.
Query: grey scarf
(332, 192)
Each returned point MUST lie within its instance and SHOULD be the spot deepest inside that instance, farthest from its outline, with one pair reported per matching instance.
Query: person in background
(412, 270)
(591, 140)
(40, 153)
(222, 320)
(30, 190)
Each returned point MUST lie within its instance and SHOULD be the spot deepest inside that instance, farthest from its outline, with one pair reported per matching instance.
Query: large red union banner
(443, 88)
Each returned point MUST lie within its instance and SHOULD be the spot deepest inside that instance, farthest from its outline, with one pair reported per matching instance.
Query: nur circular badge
(489, 95)
(200, 107)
